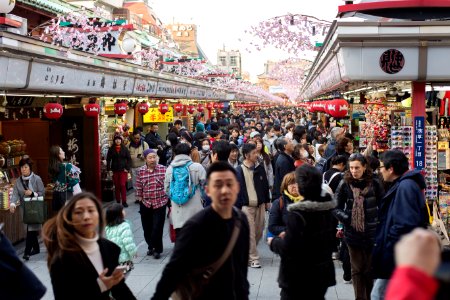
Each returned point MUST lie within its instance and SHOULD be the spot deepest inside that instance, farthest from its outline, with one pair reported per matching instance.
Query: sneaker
(125, 204)
(156, 255)
(254, 264)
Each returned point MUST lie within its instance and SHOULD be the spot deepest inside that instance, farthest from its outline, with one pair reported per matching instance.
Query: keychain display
(431, 167)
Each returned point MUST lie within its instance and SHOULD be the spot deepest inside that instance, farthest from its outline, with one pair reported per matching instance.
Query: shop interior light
(358, 90)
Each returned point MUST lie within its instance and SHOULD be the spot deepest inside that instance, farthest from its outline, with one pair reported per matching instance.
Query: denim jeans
(379, 289)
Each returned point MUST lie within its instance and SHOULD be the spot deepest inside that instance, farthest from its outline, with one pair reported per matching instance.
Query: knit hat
(254, 133)
(187, 136)
(200, 127)
(148, 151)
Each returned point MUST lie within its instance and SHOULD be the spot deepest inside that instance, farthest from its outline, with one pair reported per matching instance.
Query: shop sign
(19, 101)
(154, 116)
(442, 145)
(419, 143)
(72, 141)
(392, 61)
(145, 87)
(57, 78)
(13, 72)
(196, 93)
(171, 90)
(108, 45)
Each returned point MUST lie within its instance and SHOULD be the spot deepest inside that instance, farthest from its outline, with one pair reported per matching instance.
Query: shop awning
(364, 51)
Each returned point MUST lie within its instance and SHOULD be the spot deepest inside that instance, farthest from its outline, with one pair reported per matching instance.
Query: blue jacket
(402, 209)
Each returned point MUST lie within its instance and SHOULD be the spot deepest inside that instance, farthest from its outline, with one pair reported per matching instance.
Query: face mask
(305, 154)
(205, 148)
(168, 143)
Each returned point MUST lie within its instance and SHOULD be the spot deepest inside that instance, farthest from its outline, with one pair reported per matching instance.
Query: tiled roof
(53, 6)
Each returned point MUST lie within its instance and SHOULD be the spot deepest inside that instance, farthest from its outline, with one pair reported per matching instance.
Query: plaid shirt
(150, 186)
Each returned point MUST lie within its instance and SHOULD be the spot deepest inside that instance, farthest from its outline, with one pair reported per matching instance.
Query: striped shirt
(150, 186)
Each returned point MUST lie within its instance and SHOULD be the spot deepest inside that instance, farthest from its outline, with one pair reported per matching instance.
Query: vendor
(29, 185)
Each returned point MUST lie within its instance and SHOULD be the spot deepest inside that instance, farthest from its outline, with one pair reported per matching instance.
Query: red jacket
(409, 283)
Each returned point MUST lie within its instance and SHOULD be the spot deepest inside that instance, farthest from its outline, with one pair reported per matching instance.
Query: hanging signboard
(145, 87)
(419, 143)
(154, 116)
(171, 90)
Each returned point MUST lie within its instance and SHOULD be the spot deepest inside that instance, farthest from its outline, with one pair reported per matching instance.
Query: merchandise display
(431, 168)
(401, 139)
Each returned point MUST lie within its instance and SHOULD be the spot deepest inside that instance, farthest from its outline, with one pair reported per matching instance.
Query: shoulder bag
(191, 286)
(34, 208)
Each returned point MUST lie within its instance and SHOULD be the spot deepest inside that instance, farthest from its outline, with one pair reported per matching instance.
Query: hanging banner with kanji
(154, 116)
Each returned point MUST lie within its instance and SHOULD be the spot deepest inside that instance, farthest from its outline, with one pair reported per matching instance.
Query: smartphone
(121, 268)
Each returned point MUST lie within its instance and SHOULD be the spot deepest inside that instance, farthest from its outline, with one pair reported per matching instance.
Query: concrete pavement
(143, 279)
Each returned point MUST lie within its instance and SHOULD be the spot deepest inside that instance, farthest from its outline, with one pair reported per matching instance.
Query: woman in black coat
(306, 269)
(358, 196)
(118, 160)
(82, 264)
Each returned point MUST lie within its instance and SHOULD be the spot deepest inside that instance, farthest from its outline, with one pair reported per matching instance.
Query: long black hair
(54, 161)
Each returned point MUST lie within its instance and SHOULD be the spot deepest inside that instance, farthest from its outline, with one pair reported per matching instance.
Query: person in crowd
(320, 160)
(136, 147)
(264, 159)
(215, 223)
(28, 185)
(220, 151)
(253, 135)
(233, 158)
(17, 281)
(178, 124)
(118, 161)
(290, 127)
(118, 230)
(335, 134)
(417, 257)
(306, 268)
(269, 140)
(60, 174)
(187, 138)
(299, 135)
(333, 176)
(277, 131)
(310, 153)
(191, 183)
(150, 192)
(79, 257)
(358, 197)
(171, 143)
(278, 216)
(298, 155)
(344, 146)
(153, 139)
(402, 209)
(205, 154)
(254, 197)
(199, 131)
(284, 163)
(236, 138)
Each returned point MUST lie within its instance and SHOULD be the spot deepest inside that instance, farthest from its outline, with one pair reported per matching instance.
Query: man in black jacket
(153, 139)
(284, 164)
(254, 197)
(203, 239)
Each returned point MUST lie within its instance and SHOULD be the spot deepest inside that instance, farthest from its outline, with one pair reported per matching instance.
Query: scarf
(26, 181)
(358, 218)
(294, 199)
(117, 148)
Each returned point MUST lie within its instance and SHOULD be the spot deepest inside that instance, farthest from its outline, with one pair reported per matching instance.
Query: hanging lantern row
(120, 108)
(143, 108)
(200, 108)
(337, 108)
(163, 108)
(92, 109)
(53, 110)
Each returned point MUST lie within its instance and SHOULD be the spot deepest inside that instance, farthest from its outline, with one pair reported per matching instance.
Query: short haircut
(136, 131)
(222, 149)
(247, 148)
(309, 181)
(339, 159)
(139, 128)
(281, 143)
(268, 128)
(288, 179)
(335, 131)
(277, 127)
(178, 122)
(296, 155)
(182, 148)
(220, 166)
(153, 124)
(26, 161)
(397, 160)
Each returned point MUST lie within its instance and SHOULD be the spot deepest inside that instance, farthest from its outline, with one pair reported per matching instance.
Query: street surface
(143, 279)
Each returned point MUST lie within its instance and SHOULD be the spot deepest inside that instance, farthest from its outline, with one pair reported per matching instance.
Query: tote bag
(34, 210)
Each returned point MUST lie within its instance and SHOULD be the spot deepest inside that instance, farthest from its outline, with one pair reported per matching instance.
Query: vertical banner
(419, 143)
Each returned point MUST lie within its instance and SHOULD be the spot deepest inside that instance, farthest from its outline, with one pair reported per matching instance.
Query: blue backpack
(182, 188)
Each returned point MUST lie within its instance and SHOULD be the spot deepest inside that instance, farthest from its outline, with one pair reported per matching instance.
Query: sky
(224, 22)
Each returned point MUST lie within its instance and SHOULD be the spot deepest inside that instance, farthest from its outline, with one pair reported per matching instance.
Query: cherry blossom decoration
(293, 33)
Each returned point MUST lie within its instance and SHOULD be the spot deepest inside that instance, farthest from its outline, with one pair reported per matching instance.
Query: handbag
(34, 210)
(191, 286)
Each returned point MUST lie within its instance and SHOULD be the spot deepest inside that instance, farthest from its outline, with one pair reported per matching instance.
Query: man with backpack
(182, 184)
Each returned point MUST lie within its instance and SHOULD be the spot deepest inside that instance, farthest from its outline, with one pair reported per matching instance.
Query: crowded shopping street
(155, 150)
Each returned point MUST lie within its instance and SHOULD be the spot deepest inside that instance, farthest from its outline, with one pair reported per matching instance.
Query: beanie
(148, 151)
(200, 127)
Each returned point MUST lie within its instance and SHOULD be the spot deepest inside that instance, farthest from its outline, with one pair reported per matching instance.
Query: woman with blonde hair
(83, 264)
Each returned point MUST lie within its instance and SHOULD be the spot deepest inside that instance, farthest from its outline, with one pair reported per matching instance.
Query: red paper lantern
(216, 105)
(143, 108)
(178, 107)
(221, 105)
(200, 108)
(210, 105)
(92, 110)
(340, 108)
(191, 109)
(120, 108)
(53, 110)
(163, 108)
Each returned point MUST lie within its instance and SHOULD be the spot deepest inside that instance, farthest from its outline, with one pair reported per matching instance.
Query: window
(233, 61)
(223, 60)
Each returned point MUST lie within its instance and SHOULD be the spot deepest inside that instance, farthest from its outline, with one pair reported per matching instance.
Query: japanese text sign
(154, 116)
(419, 143)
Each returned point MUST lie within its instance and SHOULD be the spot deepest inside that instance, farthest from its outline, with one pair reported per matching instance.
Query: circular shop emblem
(392, 61)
